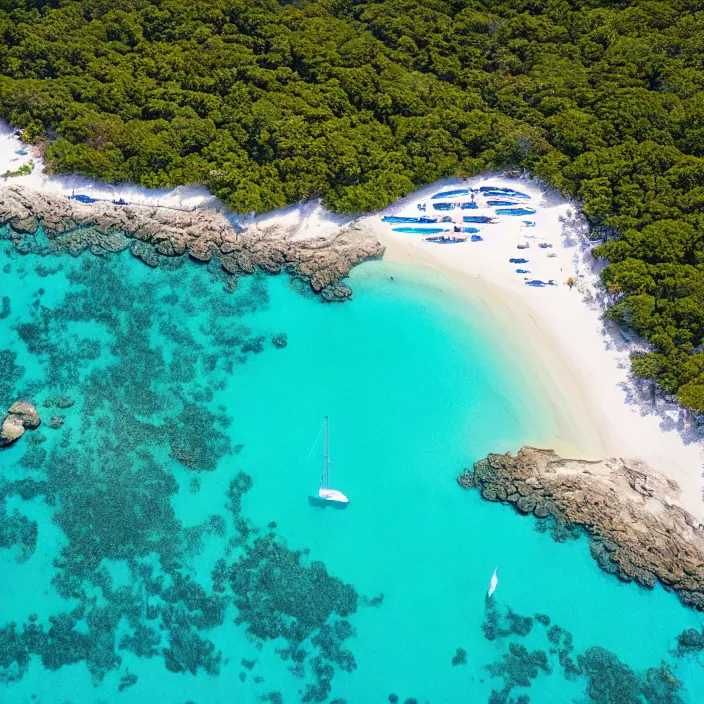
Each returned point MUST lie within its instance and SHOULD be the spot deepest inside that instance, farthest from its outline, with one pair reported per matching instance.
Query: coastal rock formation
(21, 416)
(150, 231)
(637, 530)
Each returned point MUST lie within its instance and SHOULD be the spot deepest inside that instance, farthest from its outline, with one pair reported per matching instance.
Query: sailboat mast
(326, 457)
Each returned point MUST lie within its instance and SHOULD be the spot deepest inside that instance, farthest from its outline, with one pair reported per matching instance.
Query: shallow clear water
(150, 543)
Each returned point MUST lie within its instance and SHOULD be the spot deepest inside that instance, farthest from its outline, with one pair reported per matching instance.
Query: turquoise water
(139, 565)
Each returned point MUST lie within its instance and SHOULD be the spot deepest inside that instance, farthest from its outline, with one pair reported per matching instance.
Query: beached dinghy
(420, 230)
(399, 218)
(445, 239)
(327, 496)
(444, 206)
(515, 211)
(479, 218)
(82, 198)
(452, 194)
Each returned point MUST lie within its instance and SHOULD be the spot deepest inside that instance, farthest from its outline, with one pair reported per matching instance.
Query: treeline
(359, 102)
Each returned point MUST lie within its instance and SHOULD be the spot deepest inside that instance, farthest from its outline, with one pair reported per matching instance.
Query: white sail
(493, 583)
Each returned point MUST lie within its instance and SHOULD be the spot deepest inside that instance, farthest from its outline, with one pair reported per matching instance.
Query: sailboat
(327, 496)
(493, 583)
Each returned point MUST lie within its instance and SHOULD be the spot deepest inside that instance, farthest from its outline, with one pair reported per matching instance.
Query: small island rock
(21, 416)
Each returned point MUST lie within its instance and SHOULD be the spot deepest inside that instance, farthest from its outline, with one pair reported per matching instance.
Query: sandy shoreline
(556, 333)
(581, 370)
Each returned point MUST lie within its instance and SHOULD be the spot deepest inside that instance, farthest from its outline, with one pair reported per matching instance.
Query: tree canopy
(361, 101)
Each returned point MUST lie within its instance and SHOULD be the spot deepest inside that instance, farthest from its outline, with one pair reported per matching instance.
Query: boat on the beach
(515, 211)
(500, 191)
(445, 239)
(525, 245)
(537, 283)
(420, 230)
(469, 230)
(545, 245)
(405, 218)
(471, 205)
(517, 260)
(493, 583)
(82, 198)
(528, 223)
(522, 271)
(477, 238)
(479, 218)
(119, 201)
(452, 194)
(444, 206)
(495, 203)
(327, 496)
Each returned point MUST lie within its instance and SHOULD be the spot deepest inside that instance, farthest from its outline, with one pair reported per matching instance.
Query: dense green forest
(361, 101)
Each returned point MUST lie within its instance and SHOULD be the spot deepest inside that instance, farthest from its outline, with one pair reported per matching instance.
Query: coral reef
(142, 415)
(607, 679)
(637, 530)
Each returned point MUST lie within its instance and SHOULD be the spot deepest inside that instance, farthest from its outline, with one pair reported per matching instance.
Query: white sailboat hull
(333, 495)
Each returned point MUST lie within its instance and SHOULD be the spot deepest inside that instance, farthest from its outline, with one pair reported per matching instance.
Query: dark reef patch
(137, 377)
(607, 680)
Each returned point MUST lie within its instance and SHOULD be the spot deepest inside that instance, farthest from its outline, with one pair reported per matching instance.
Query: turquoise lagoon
(159, 546)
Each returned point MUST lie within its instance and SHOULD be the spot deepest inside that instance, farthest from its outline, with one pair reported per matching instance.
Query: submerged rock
(21, 416)
(630, 511)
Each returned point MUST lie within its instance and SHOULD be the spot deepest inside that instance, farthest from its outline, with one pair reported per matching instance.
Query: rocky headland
(630, 512)
(52, 223)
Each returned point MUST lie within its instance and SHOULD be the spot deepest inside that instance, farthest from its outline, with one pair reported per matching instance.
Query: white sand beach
(577, 364)
(580, 363)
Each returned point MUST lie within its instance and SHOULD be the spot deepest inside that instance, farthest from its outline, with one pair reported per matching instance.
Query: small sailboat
(493, 583)
(327, 496)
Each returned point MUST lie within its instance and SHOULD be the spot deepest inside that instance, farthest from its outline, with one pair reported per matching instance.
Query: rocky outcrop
(637, 530)
(151, 232)
(21, 416)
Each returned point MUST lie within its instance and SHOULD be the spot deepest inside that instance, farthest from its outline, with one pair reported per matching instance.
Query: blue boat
(468, 229)
(22, 152)
(499, 191)
(479, 218)
(536, 282)
(82, 198)
(428, 220)
(120, 201)
(399, 218)
(471, 205)
(522, 271)
(446, 239)
(443, 206)
(545, 245)
(529, 223)
(515, 260)
(476, 238)
(420, 230)
(452, 194)
(494, 203)
(515, 211)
